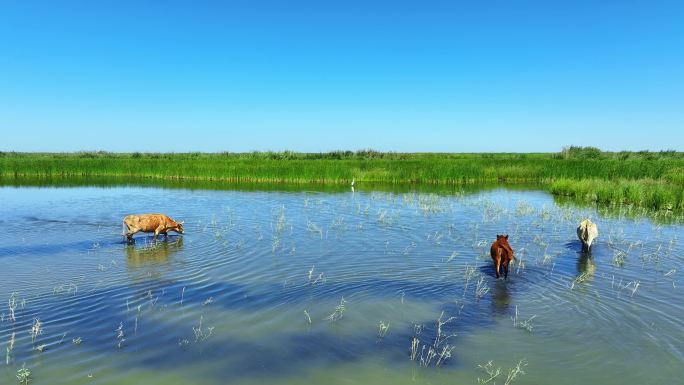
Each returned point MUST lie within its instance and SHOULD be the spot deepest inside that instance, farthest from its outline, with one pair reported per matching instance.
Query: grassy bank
(650, 193)
(653, 179)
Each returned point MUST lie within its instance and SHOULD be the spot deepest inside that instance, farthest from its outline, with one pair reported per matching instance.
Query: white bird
(353, 180)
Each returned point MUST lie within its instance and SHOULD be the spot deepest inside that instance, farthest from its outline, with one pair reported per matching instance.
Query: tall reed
(645, 179)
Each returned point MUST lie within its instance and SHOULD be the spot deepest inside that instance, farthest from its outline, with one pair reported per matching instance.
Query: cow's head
(503, 241)
(179, 227)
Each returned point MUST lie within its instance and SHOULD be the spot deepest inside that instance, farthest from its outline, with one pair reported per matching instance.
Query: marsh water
(336, 287)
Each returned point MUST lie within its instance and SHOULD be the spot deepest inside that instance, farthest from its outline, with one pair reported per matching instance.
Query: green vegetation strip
(646, 179)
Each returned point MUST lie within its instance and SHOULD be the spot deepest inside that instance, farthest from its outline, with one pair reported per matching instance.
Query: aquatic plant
(24, 375)
(280, 220)
(319, 278)
(314, 228)
(415, 342)
(468, 274)
(631, 285)
(493, 372)
(9, 349)
(36, 329)
(439, 350)
(481, 288)
(338, 313)
(525, 324)
(120, 337)
(202, 334)
(515, 371)
(619, 258)
(579, 279)
(12, 306)
(383, 329)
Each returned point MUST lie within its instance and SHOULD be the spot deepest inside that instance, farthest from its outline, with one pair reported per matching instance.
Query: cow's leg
(498, 267)
(166, 236)
(499, 262)
(505, 266)
(157, 231)
(129, 235)
(126, 232)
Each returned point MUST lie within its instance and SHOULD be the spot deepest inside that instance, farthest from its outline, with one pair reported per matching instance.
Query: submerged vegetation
(645, 179)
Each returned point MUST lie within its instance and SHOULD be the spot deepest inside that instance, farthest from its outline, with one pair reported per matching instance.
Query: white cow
(587, 231)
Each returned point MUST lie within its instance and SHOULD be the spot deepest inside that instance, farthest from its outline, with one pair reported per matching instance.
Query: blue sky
(323, 75)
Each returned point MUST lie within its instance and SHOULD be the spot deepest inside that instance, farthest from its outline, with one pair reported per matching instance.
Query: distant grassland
(647, 179)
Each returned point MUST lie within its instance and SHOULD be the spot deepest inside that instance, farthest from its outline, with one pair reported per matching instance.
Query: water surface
(288, 287)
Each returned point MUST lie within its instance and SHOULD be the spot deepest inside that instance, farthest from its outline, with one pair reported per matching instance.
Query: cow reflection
(157, 253)
(501, 297)
(585, 264)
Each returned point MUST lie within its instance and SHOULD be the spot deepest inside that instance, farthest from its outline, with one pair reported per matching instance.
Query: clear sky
(481, 75)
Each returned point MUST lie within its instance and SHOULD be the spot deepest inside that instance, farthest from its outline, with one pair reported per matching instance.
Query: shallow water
(291, 287)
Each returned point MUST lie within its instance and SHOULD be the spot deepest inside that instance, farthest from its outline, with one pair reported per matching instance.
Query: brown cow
(502, 254)
(150, 223)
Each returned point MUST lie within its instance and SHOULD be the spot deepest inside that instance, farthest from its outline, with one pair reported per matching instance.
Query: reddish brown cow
(150, 223)
(502, 254)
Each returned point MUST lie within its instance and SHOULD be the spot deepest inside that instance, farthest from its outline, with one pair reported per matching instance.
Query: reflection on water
(154, 253)
(252, 292)
(501, 300)
(189, 184)
(585, 263)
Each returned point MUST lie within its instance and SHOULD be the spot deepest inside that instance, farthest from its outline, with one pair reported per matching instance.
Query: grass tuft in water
(36, 329)
(338, 313)
(10, 349)
(437, 352)
(525, 324)
(202, 334)
(515, 371)
(24, 375)
(493, 372)
(383, 329)
(12, 306)
(120, 337)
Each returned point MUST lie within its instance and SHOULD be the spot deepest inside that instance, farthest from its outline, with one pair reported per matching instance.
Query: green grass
(650, 193)
(649, 179)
